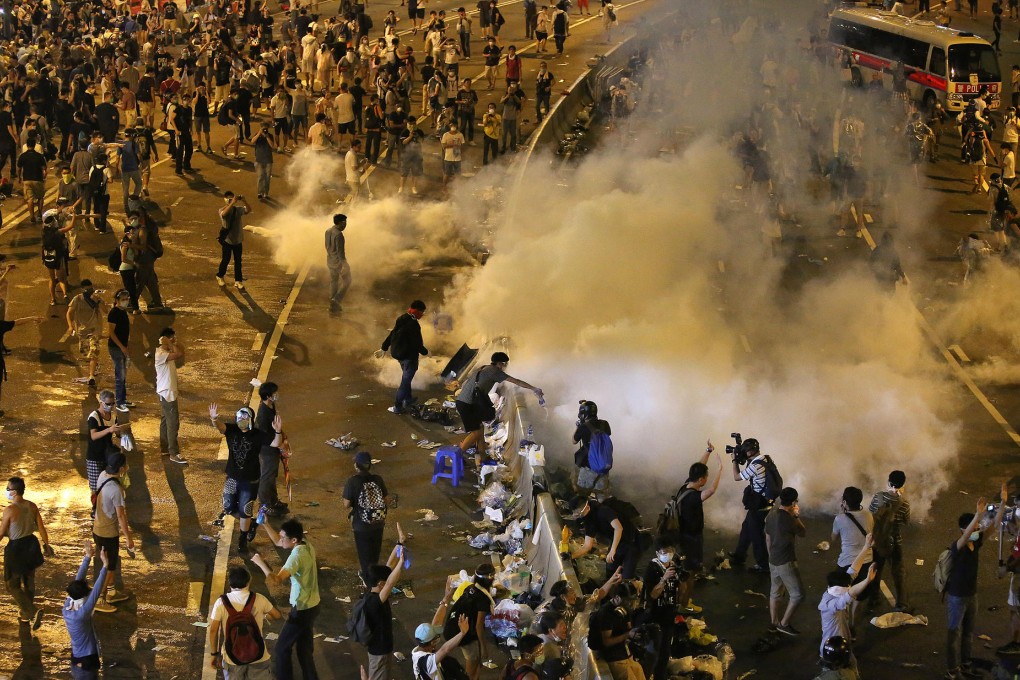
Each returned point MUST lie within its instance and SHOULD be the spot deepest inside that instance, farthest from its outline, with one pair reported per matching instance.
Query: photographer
(752, 531)
(231, 236)
(662, 600)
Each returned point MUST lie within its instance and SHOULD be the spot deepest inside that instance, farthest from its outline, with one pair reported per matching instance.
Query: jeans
(263, 174)
(895, 560)
(269, 465)
(408, 368)
(145, 278)
(509, 131)
(127, 277)
(465, 44)
(22, 589)
(626, 557)
(392, 147)
(169, 424)
(185, 149)
(228, 252)
(489, 144)
(368, 544)
(120, 364)
(336, 275)
(540, 99)
(960, 614)
(466, 121)
(298, 631)
(101, 207)
(752, 534)
(128, 177)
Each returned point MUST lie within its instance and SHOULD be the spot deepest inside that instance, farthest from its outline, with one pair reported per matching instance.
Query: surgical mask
(975, 536)
(11, 495)
(276, 398)
(665, 558)
(540, 659)
(244, 424)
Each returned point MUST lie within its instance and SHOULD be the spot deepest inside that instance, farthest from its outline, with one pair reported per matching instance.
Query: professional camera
(1007, 516)
(744, 450)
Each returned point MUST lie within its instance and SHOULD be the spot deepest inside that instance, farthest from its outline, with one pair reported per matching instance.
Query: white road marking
(887, 593)
(722, 267)
(177, 202)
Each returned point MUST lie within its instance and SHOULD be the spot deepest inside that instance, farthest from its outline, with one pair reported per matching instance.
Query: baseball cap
(426, 633)
(362, 458)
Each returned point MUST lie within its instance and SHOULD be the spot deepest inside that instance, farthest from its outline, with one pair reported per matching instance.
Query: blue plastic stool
(455, 456)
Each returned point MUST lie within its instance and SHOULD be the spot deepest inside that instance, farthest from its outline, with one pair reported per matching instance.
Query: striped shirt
(883, 498)
(754, 472)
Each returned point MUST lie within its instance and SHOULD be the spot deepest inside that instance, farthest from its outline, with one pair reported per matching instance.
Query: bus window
(978, 59)
(937, 65)
(913, 52)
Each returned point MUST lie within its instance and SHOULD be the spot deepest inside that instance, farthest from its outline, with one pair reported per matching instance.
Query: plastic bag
(481, 541)
(590, 568)
(127, 443)
(493, 496)
(709, 664)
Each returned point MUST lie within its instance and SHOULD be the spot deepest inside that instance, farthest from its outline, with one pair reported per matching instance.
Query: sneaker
(37, 619)
(252, 532)
(177, 458)
(116, 595)
(220, 281)
(692, 608)
(218, 522)
(1011, 648)
(787, 630)
(128, 404)
(758, 569)
(104, 607)
(238, 285)
(394, 409)
(242, 545)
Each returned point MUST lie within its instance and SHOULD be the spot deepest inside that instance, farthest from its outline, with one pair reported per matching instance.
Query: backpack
(251, 81)
(773, 480)
(449, 667)
(357, 623)
(625, 510)
(943, 567)
(114, 261)
(466, 605)
(1002, 202)
(882, 533)
(223, 116)
(97, 181)
(600, 451)
(668, 523)
(52, 245)
(371, 504)
(242, 640)
(152, 238)
(594, 634)
(612, 14)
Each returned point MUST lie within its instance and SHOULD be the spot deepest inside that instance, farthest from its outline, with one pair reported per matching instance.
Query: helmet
(836, 651)
(587, 410)
(50, 215)
(245, 413)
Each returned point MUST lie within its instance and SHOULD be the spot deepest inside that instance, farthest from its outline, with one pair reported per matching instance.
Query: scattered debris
(919, 562)
(271, 636)
(897, 619)
(346, 599)
(756, 594)
(346, 442)
(388, 445)
(312, 504)
(201, 624)
(823, 546)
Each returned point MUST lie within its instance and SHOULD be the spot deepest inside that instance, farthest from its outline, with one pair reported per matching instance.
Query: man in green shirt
(303, 572)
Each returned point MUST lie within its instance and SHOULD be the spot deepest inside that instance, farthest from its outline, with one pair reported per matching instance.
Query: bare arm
(384, 594)
(589, 543)
(961, 542)
(43, 534)
(124, 528)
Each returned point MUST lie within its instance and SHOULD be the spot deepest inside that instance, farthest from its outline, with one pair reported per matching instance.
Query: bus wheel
(855, 77)
(929, 100)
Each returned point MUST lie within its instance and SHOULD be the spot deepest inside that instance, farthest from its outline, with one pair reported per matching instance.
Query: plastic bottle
(565, 540)
(531, 433)
(261, 517)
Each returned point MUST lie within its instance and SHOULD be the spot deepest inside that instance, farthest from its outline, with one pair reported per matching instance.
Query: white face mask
(664, 558)
(975, 536)
(11, 495)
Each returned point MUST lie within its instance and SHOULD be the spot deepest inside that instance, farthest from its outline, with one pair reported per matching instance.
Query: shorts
(169, 24)
(345, 128)
(88, 346)
(239, 497)
(470, 650)
(411, 167)
(93, 468)
(539, 35)
(34, 191)
(112, 546)
(298, 121)
(202, 125)
(145, 109)
(451, 168)
(786, 579)
(417, 13)
(469, 416)
(262, 670)
(280, 125)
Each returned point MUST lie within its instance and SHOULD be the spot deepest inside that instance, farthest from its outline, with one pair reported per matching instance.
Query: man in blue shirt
(78, 608)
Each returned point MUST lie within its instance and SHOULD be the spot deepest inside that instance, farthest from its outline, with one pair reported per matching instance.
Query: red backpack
(243, 642)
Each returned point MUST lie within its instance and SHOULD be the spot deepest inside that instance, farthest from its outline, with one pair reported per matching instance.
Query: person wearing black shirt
(269, 456)
(367, 534)
(119, 328)
(102, 427)
(543, 89)
(202, 118)
(374, 119)
(588, 423)
(475, 603)
(961, 588)
(182, 123)
(616, 629)
(599, 521)
(690, 531)
(108, 119)
(662, 599)
(379, 615)
(244, 443)
(405, 344)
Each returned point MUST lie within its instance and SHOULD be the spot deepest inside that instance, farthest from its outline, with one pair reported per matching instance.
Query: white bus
(940, 64)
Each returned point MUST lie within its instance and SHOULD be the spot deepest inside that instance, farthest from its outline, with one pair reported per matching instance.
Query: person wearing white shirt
(238, 579)
(354, 165)
(167, 355)
(343, 105)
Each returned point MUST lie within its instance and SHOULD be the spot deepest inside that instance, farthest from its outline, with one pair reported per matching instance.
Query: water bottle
(261, 517)
(531, 433)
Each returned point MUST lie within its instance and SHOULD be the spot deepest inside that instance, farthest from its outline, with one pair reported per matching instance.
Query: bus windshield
(977, 59)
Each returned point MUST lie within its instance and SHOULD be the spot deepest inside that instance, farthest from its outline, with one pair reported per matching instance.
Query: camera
(1007, 516)
(744, 450)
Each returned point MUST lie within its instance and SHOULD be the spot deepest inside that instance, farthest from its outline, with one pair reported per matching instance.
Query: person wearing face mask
(552, 629)
(532, 651)
(544, 80)
(169, 352)
(961, 587)
(79, 606)
(244, 442)
(451, 142)
(118, 325)
(664, 582)
(405, 344)
(492, 125)
(843, 590)
(851, 526)
(110, 522)
(473, 600)
(613, 628)
(85, 315)
(23, 554)
(269, 456)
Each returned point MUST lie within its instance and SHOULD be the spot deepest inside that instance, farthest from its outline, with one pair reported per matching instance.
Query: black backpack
(114, 261)
(449, 667)
(1002, 201)
(223, 117)
(465, 604)
(625, 510)
(97, 181)
(52, 245)
(357, 623)
(773, 480)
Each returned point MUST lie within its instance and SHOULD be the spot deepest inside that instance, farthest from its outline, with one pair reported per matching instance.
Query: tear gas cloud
(611, 291)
